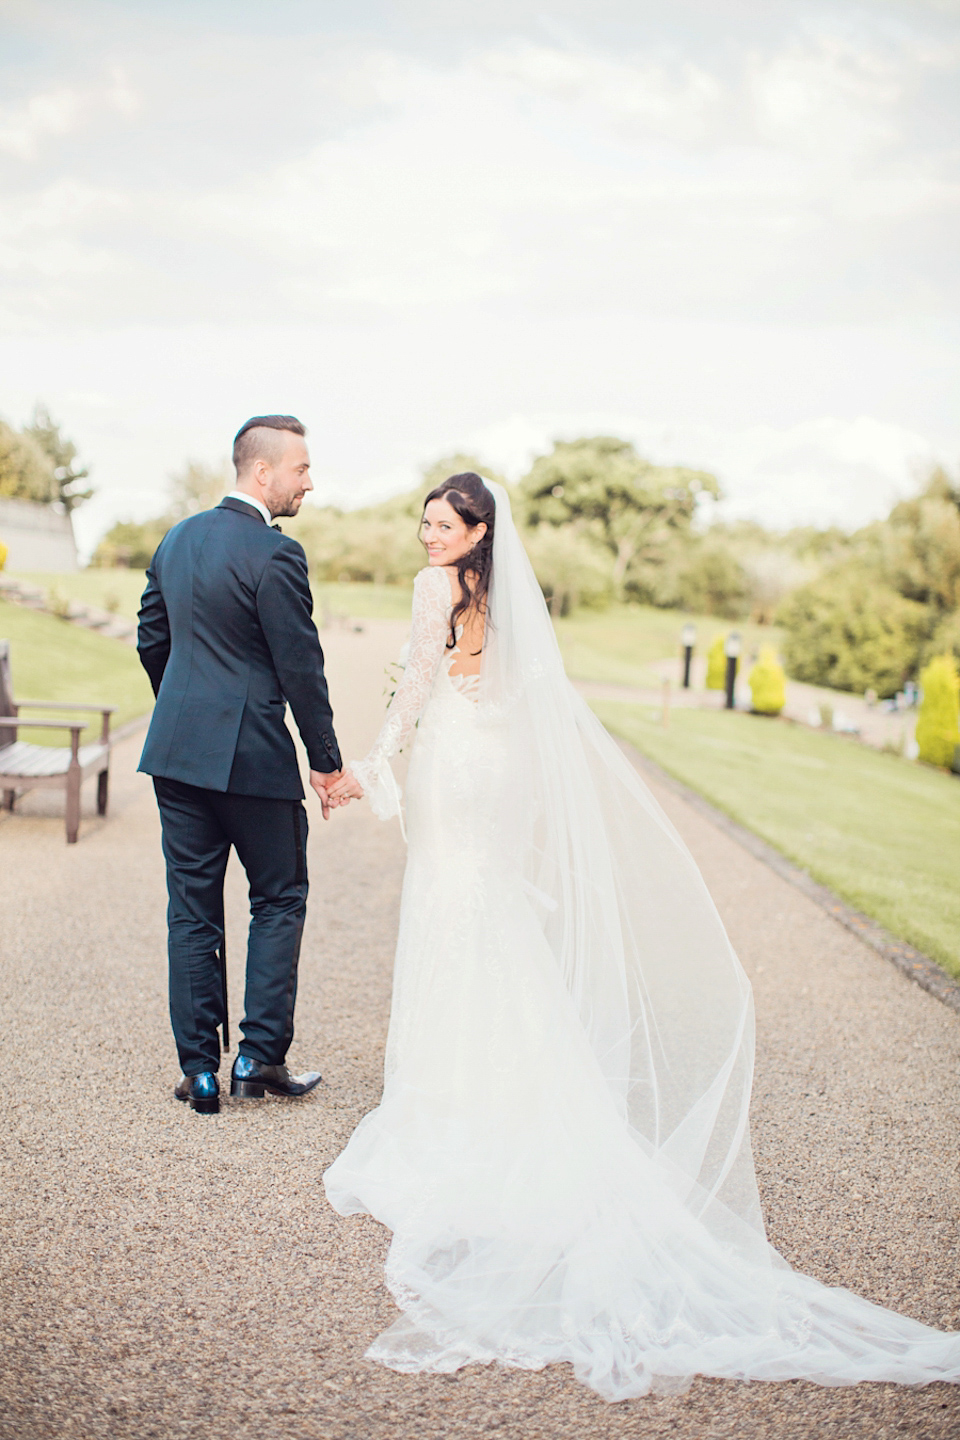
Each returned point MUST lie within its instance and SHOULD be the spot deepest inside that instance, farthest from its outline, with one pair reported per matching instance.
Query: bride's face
(447, 538)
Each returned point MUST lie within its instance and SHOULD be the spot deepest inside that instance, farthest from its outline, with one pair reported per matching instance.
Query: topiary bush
(848, 631)
(717, 664)
(938, 731)
(768, 683)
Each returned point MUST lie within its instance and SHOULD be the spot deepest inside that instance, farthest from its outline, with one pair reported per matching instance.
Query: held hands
(335, 788)
(344, 787)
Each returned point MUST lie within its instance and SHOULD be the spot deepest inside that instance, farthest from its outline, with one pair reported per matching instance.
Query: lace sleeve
(428, 639)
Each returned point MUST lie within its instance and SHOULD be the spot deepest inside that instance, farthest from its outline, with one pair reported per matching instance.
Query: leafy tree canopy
(198, 487)
(849, 632)
(26, 471)
(603, 486)
(62, 454)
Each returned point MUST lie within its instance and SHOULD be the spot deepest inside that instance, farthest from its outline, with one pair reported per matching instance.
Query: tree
(569, 571)
(938, 734)
(26, 471)
(378, 542)
(455, 464)
(945, 639)
(848, 631)
(917, 548)
(130, 543)
(712, 581)
(197, 487)
(194, 488)
(62, 454)
(614, 498)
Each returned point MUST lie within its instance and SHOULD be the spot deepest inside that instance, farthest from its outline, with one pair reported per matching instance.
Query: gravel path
(167, 1274)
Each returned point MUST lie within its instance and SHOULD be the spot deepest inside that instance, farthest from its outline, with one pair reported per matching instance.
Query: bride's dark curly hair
(475, 505)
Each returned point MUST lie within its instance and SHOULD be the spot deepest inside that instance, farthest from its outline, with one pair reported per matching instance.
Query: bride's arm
(429, 631)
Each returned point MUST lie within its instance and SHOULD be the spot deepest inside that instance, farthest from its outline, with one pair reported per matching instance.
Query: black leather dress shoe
(203, 1092)
(249, 1079)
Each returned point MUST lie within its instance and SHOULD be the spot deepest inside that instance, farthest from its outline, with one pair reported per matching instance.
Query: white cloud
(717, 233)
(821, 472)
(53, 114)
(547, 176)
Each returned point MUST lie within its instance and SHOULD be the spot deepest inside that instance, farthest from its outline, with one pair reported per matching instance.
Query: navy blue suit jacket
(227, 639)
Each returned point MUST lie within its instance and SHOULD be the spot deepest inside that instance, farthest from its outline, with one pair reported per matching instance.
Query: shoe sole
(202, 1107)
(244, 1090)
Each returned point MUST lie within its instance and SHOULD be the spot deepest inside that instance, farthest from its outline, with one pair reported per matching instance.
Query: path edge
(910, 962)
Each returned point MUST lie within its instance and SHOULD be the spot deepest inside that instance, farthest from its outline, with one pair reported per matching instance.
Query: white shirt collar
(250, 500)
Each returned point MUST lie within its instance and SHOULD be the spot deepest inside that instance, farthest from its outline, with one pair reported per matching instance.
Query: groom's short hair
(253, 440)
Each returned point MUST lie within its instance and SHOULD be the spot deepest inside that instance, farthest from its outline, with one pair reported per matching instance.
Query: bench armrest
(10, 721)
(64, 705)
(105, 711)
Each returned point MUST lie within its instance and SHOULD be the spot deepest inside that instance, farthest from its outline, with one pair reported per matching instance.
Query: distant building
(37, 537)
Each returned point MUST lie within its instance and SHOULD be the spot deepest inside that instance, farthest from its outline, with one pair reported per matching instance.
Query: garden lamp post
(689, 637)
(731, 648)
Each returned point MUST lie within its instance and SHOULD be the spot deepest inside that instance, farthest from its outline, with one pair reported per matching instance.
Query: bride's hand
(346, 787)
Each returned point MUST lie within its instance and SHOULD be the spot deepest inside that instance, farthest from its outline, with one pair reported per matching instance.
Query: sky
(725, 230)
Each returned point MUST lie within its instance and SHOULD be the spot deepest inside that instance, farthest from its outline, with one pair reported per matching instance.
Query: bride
(562, 1149)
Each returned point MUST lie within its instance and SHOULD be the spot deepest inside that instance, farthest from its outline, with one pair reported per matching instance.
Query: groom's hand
(320, 781)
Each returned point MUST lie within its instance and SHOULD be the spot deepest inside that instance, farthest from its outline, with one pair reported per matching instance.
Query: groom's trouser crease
(199, 828)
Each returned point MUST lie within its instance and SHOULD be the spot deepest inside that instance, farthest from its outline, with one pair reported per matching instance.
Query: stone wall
(37, 537)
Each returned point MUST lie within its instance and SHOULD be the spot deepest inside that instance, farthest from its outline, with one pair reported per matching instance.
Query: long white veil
(562, 1150)
(662, 998)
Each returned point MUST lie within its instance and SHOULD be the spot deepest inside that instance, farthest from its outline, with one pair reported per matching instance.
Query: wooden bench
(27, 767)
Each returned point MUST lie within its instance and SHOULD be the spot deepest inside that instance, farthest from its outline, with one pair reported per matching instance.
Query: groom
(227, 639)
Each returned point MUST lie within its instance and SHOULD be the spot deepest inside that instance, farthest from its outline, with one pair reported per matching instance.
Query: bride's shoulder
(433, 584)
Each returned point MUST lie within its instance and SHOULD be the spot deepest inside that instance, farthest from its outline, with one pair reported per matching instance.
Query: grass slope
(116, 590)
(881, 833)
(52, 660)
(616, 646)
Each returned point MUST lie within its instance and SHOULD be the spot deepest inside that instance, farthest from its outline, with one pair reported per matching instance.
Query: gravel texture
(167, 1274)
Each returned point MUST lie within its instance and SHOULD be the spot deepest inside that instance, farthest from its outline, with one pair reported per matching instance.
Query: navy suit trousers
(270, 838)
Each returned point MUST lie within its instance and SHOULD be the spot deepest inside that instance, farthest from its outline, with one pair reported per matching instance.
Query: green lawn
(116, 590)
(882, 833)
(362, 601)
(616, 646)
(52, 660)
(119, 590)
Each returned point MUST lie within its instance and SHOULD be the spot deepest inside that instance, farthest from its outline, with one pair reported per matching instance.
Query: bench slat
(25, 761)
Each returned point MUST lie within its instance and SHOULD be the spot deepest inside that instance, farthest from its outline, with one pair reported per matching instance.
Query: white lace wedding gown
(561, 1150)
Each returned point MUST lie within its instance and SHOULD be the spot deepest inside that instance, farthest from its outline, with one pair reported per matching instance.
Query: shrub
(767, 683)
(938, 733)
(717, 664)
(848, 631)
